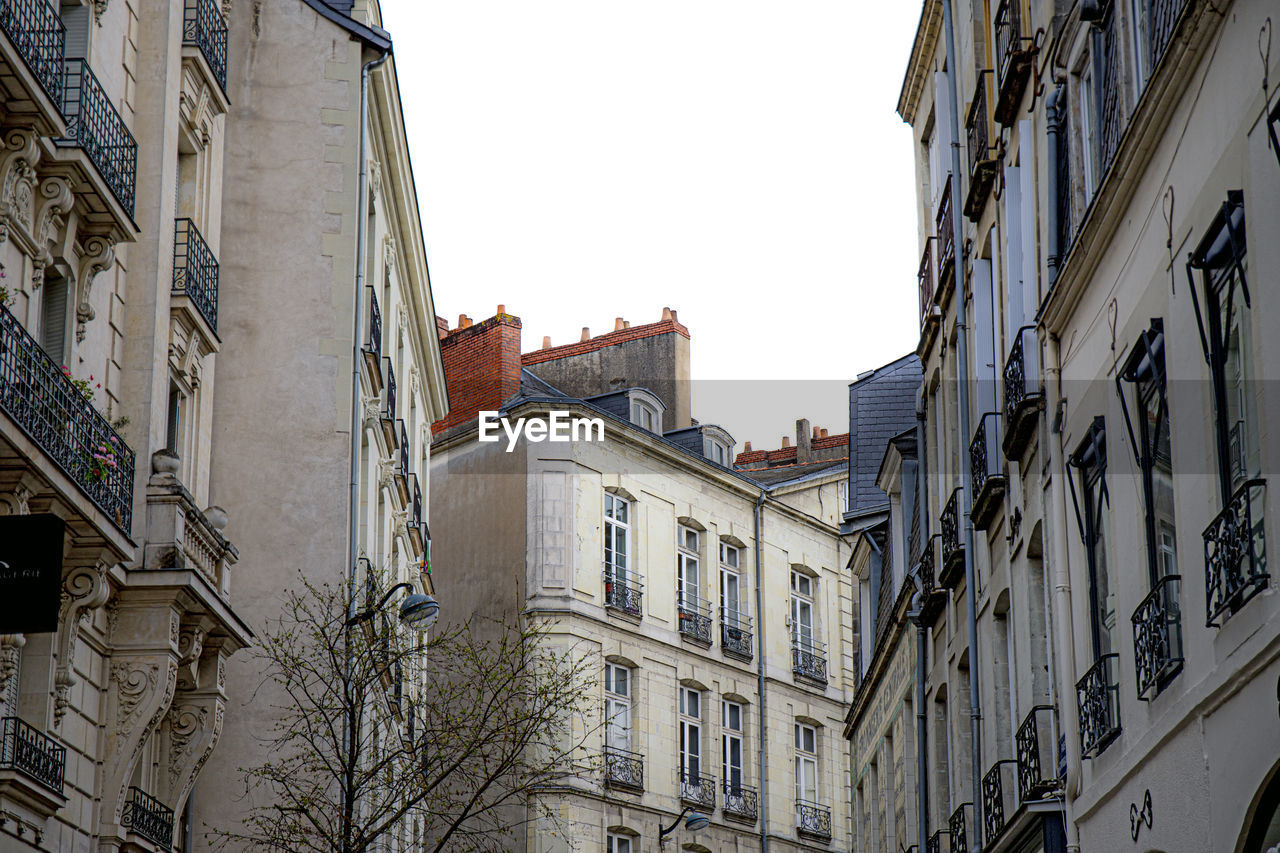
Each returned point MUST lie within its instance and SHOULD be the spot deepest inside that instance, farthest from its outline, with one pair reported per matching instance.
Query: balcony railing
(1164, 17)
(623, 769)
(1157, 637)
(813, 819)
(1107, 83)
(33, 753)
(925, 278)
(986, 473)
(1035, 755)
(1098, 697)
(697, 790)
(624, 593)
(741, 801)
(149, 818)
(204, 27)
(37, 32)
(952, 545)
(983, 164)
(945, 237)
(693, 614)
(958, 827)
(195, 271)
(735, 634)
(1022, 394)
(808, 658)
(939, 842)
(374, 345)
(47, 406)
(999, 800)
(95, 126)
(415, 518)
(402, 448)
(1013, 60)
(1235, 562)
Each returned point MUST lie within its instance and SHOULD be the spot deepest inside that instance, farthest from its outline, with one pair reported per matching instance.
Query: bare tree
(498, 713)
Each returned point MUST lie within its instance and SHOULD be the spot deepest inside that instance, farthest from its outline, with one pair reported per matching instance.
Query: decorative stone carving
(375, 179)
(55, 201)
(142, 687)
(10, 654)
(185, 722)
(389, 251)
(372, 412)
(190, 645)
(99, 9)
(17, 180)
(193, 726)
(133, 682)
(387, 473)
(83, 588)
(400, 522)
(99, 253)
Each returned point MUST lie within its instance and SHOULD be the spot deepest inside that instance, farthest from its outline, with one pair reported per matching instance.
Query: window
(617, 703)
(1138, 29)
(731, 745)
(806, 763)
(844, 495)
(173, 429)
(690, 740)
(730, 586)
(1090, 459)
(617, 533)
(645, 416)
(716, 452)
(55, 295)
(619, 843)
(688, 583)
(802, 610)
(1088, 124)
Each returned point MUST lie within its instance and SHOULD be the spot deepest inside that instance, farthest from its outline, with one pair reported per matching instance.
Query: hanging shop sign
(30, 573)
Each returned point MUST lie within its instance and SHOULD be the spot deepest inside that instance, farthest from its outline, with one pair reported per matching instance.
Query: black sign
(30, 573)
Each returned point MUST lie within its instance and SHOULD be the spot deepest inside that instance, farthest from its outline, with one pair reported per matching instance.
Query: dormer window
(646, 409)
(716, 452)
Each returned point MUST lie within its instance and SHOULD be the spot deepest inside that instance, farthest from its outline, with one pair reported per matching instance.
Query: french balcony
(47, 406)
(623, 769)
(986, 471)
(946, 247)
(925, 280)
(813, 819)
(983, 158)
(416, 521)
(34, 55)
(204, 28)
(952, 545)
(1098, 698)
(195, 271)
(999, 800)
(1107, 81)
(94, 125)
(623, 593)
(1164, 16)
(958, 827)
(402, 460)
(808, 659)
(1036, 756)
(1023, 396)
(372, 348)
(693, 614)
(939, 842)
(27, 755)
(735, 634)
(741, 802)
(1157, 637)
(389, 404)
(698, 790)
(1013, 60)
(933, 598)
(1235, 560)
(148, 818)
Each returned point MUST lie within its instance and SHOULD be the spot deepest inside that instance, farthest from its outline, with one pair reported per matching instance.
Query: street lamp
(417, 610)
(695, 822)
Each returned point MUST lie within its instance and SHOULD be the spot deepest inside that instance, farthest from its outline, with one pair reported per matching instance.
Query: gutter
(764, 743)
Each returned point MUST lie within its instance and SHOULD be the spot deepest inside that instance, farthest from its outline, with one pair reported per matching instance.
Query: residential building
(715, 603)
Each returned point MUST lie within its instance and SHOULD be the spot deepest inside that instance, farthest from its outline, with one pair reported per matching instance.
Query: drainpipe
(922, 645)
(1054, 108)
(764, 743)
(962, 380)
(1062, 596)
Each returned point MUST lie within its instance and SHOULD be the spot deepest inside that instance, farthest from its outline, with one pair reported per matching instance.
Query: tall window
(731, 744)
(844, 495)
(619, 843)
(617, 537)
(1088, 128)
(730, 585)
(1138, 30)
(1090, 459)
(645, 416)
(806, 763)
(802, 610)
(55, 303)
(688, 582)
(690, 739)
(617, 706)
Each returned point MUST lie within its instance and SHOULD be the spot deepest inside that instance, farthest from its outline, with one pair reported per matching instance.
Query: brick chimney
(481, 366)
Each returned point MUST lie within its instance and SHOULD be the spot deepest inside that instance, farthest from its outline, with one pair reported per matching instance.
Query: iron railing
(1157, 637)
(693, 614)
(998, 800)
(983, 464)
(808, 658)
(204, 27)
(1098, 697)
(37, 32)
(698, 790)
(1107, 80)
(39, 395)
(1163, 17)
(389, 401)
(741, 801)
(402, 448)
(952, 544)
(195, 271)
(735, 634)
(26, 749)
(943, 226)
(977, 133)
(813, 818)
(1022, 393)
(1033, 745)
(416, 506)
(1235, 562)
(148, 817)
(958, 827)
(622, 592)
(1008, 27)
(94, 124)
(925, 279)
(623, 769)
(939, 842)
(375, 326)
(928, 573)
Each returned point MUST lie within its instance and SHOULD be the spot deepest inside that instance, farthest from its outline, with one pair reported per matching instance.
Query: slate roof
(882, 405)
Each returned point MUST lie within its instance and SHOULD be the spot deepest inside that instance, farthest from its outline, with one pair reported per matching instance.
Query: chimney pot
(675, 317)
(586, 334)
(824, 432)
(546, 342)
(462, 321)
(502, 309)
(666, 313)
(626, 324)
(786, 441)
(618, 324)
(747, 446)
(817, 432)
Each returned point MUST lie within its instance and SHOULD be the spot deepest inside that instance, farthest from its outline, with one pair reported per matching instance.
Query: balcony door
(617, 692)
(688, 581)
(802, 610)
(731, 741)
(806, 763)
(690, 736)
(617, 538)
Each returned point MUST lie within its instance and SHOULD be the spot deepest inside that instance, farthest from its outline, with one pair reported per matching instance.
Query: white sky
(738, 160)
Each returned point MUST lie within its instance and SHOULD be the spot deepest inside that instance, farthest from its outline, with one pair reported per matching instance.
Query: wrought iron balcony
(372, 347)
(1013, 60)
(933, 598)
(389, 403)
(195, 271)
(946, 244)
(958, 827)
(983, 157)
(813, 819)
(1235, 562)
(402, 448)
(204, 27)
(999, 800)
(37, 32)
(1164, 16)
(623, 769)
(1098, 697)
(698, 790)
(925, 279)
(1107, 83)
(939, 842)
(415, 507)
(986, 471)
(148, 817)
(741, 802)
(622, 592)
(1157, 637)
(47, 406)
(1022, 393)
(1035, 755)
(952, 545)
(33, 753)
(735, 634)
(693, 614)
(808, 658)
(95, 126)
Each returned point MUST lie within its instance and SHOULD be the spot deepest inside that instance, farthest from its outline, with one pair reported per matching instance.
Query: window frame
(618, 703)
(691, 761)
(803, 601)
(1090, 462)
(613, 526)
(688, 564)
(806, 758)
(615, 843)
(728, 736)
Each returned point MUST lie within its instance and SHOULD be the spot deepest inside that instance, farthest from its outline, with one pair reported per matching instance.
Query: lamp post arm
(674, 824)
(368, 614)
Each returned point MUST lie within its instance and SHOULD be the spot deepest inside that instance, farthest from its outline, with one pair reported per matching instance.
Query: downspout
(764, 743)
(1062, 595)
(962, 381)
(1054, 110)
(922, 717)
